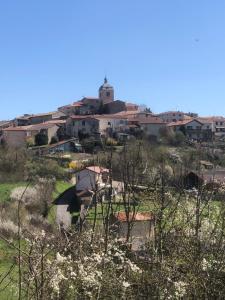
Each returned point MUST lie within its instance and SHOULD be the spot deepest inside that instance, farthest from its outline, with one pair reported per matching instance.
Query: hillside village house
(118, 106)
(146, 123)
(38, 118)
(216, 124)
(95, 125)
(142, 230)
(151, 126)
(91, 178)
(174, 116)
(18, 136)
(193, 129)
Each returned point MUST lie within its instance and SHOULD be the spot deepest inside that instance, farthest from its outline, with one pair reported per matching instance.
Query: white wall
(86, 179)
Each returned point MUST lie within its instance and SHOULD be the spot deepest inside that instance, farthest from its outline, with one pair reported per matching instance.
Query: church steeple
(106, 92)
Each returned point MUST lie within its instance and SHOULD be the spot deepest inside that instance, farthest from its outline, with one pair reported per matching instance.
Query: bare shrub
(8, 229)
(37, 198)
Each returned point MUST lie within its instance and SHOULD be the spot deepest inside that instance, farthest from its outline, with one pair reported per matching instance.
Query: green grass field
(8, 285)
(6, 188)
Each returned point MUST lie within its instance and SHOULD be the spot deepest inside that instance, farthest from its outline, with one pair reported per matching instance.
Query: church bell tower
(106, 92)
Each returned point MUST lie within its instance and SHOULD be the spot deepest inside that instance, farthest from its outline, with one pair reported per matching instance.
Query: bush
(45, 168)
(41, 139)
(54, 140)
(36, 199)
(8, 229)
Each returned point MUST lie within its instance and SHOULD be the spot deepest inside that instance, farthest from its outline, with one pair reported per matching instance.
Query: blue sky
(168, 54)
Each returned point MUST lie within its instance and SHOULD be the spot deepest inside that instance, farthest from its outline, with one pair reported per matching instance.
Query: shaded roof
(55, 121)
(62, 143)
(97, 117)
(30, 127)
(77, 104)
(139, 216)
(80, 117)
(209, 176)
(69, 197)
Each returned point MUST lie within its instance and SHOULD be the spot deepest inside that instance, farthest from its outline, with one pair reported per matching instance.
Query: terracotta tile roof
(97, 169)
(150, 120)
(17, 128)
(82, 117)
(55, 122)
(41, 126)
(127, 113)
(109, 116)
(35, 127)
(61, 143)
(204, 120)
(212, 119)
(183, 122)
(142, 216)
(130, 104)
(97, 117)
(42, 114)
(77, 104)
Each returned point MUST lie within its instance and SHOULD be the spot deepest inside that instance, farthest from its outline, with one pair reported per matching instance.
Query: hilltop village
(103, 199)
(105, 117)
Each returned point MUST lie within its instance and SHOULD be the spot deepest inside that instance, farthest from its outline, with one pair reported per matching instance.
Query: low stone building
(92, 125)
(91, 178)
(193, 129)
(142, 229)
(118, 106)
(18, 136)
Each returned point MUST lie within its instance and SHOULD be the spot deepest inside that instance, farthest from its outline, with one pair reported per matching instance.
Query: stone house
(216, 125)
(142, 230)
(38, 118)
(118, 106)
(86, 125)
(91, 178)
(95, 125)
(192, 128)
(18, 136)
(172, 116)
(151, 126)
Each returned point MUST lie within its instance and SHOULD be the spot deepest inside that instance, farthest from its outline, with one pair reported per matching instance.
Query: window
(83, 123)
(221, 123)
(216, 123)
(109, 123)
(189, 127)
(198, 127)
(108, 94)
